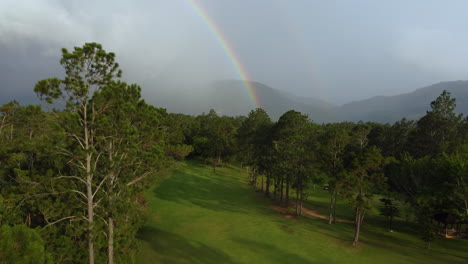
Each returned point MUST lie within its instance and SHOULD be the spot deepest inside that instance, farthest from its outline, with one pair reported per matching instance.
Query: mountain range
(229, 97)
(412, 105)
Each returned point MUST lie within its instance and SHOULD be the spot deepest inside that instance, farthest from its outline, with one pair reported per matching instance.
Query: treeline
(73, 177)
(422, 164)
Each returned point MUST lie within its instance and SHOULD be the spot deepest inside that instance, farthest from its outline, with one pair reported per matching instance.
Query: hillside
(411, 105)
(230, 98)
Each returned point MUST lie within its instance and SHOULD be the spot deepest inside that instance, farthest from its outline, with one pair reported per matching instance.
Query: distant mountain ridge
(389, 109)
(230, 98)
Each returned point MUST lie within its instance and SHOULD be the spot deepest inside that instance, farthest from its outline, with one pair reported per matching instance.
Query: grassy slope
(201, 217)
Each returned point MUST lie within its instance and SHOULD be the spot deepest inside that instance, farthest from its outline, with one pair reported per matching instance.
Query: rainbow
(223, 42)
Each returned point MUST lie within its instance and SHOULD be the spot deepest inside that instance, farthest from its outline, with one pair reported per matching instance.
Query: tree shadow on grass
(416, 252)
(376, 232)
(376, 237)
(174, 248)
(219, 192)
(273, 254)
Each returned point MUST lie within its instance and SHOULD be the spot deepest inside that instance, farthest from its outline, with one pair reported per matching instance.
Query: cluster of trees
(72, 177)
(295, 154)
(421, 163)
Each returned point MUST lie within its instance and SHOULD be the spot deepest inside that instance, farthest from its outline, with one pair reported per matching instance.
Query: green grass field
(201, 217)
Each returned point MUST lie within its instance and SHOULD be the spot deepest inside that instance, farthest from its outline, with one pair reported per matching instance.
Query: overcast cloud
(335, 50)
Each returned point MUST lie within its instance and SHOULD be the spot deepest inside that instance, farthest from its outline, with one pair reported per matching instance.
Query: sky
(338, 51)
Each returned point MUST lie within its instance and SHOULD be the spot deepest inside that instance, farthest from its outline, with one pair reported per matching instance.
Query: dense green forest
(73, 172)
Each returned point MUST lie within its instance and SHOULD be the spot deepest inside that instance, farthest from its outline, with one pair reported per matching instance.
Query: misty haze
(217, 131)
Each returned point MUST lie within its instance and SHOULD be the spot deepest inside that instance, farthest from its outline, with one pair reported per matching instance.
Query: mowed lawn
(198, 216)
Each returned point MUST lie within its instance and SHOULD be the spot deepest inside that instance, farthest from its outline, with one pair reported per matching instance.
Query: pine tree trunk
(281, 190)
(90, 221)
(297, 202)
(330, 218)
(286, 200)
(89, 184)
(334, 207)
(356, 234)
(301, 199)
(111, 241)
(275, 189)
(254, 178)
(262, 182)
(110, 193)
(359, 219)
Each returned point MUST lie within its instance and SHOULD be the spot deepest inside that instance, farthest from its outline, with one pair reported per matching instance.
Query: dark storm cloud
(336, 50)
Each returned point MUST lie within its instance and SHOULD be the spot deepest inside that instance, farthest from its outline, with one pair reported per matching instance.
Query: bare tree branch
(138, 179)
(81, 193)
(99, 186)
(60, 220)
(71, 177)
